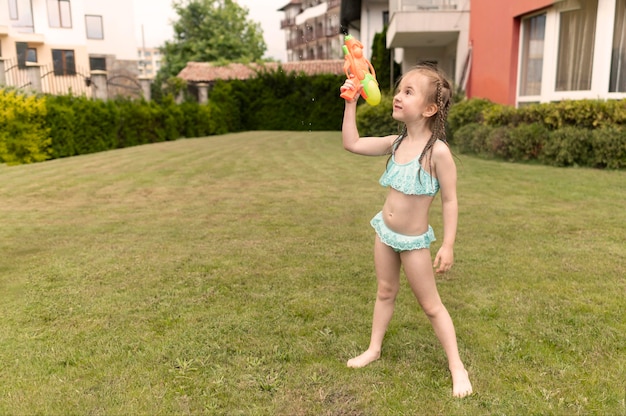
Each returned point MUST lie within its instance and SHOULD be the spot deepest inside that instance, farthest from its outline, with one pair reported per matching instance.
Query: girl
(420, 164)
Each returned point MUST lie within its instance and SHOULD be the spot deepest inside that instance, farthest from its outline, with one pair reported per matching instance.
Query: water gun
(358, 67)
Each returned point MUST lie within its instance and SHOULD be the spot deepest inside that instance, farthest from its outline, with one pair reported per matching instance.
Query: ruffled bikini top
(409, 178)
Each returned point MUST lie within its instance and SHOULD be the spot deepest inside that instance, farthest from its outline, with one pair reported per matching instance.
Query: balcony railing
(424, 5)
(287, 23)
(312, 35)
(333, 3)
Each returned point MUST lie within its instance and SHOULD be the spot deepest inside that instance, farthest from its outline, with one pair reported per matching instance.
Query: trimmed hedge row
(36, 128)
(590, 133)
(80, 126)
(24, 136)
(570, 133)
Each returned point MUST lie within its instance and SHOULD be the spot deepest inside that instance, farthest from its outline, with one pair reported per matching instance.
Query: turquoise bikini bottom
(400, 242)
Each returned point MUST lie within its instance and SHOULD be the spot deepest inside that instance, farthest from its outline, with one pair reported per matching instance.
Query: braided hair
(440, 93)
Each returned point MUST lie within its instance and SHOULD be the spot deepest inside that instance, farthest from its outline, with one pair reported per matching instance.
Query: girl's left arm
(446, 175)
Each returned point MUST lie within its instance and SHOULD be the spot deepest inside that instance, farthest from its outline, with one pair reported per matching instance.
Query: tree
(211, 31)
(382, 62)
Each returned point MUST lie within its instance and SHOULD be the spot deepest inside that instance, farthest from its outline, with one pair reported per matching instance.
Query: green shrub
(521, 143)
(569, 146)
(24, 136)
(224, 107)
(473, 138)
(567, 133)
(609, 147)
(467, 112)
(377, 120)
(500, 115)
(275, 100)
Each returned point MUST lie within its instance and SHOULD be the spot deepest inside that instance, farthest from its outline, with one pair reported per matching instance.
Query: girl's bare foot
(364, 359)
(461, 386)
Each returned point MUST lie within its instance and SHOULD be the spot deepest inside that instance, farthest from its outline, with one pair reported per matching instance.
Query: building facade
(149, 62)
(66, 42)
(531, 51)
(418, 30)
(312, 30)
(434, 31)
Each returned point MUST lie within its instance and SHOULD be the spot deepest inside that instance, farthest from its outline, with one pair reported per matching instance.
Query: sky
(156, 16)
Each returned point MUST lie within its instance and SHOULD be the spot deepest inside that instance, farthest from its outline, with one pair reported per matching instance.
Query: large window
(576, 40)
(94, 28)
(64, 62)
(533, 36)
(21, 14)
(13, 13)
(25, 54)
(59, 13)
(97, 63)
(617, 81)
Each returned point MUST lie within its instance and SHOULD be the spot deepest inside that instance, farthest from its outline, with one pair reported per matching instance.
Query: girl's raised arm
(369, 146)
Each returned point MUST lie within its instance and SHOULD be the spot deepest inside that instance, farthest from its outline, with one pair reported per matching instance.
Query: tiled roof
(207, 72)
(291, 3)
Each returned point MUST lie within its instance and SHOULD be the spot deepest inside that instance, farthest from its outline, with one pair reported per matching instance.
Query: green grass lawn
(233, 275)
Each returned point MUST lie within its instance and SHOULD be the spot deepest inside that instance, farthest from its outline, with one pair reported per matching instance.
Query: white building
(418, 30)
(312, 30)
(65, 40)
(149, 61)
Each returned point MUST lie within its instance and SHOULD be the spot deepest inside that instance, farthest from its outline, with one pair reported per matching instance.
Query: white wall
(118, 23)
(371, 23)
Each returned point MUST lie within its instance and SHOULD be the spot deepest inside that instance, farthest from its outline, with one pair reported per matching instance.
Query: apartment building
(64, 42)
(312, 30)
(149, 62)
(548, 50)
(418, 30)
(434, 31)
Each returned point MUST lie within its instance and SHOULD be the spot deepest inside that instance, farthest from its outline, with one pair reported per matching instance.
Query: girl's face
(410, 102)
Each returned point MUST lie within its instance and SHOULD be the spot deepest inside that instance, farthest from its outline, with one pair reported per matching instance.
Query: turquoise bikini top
(409, 178)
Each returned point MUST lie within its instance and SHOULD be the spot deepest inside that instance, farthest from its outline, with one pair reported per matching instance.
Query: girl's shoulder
(441, 149)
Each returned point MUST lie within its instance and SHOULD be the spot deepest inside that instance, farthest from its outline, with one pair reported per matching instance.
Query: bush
(467, 112)
(24, 136)
(377, 120)
(569, 146)
(473, 138)
(523, 142)
(569, 133)
(609, 147)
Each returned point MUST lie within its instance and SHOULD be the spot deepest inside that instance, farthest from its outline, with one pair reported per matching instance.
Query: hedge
(24, 135)
(569, 133)
(589, 133)
(36, 128)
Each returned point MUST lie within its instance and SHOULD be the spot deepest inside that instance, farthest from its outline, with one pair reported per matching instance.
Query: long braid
(438, 125)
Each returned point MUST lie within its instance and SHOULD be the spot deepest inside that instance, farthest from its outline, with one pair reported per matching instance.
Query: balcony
(426, 23)
(425, 5)
(287, 23)
(333, 3)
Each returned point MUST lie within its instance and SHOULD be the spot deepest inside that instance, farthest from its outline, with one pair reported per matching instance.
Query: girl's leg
(387, 263)
(419, 271)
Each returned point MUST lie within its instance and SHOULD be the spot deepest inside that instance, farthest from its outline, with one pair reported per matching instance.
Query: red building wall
(494, 36)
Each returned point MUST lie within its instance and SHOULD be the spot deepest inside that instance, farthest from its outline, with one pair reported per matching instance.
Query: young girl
(420, 165)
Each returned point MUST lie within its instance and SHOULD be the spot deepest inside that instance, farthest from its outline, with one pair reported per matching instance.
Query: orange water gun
(358, 67)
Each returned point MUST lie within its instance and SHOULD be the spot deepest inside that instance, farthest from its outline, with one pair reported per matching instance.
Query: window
(21, 13)
(13, 14)
(25, 54)
(617, 82)
(59, 13)
(531, 65)
(94, 27)
(64, 63)
(97, 63)
(576, 39)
